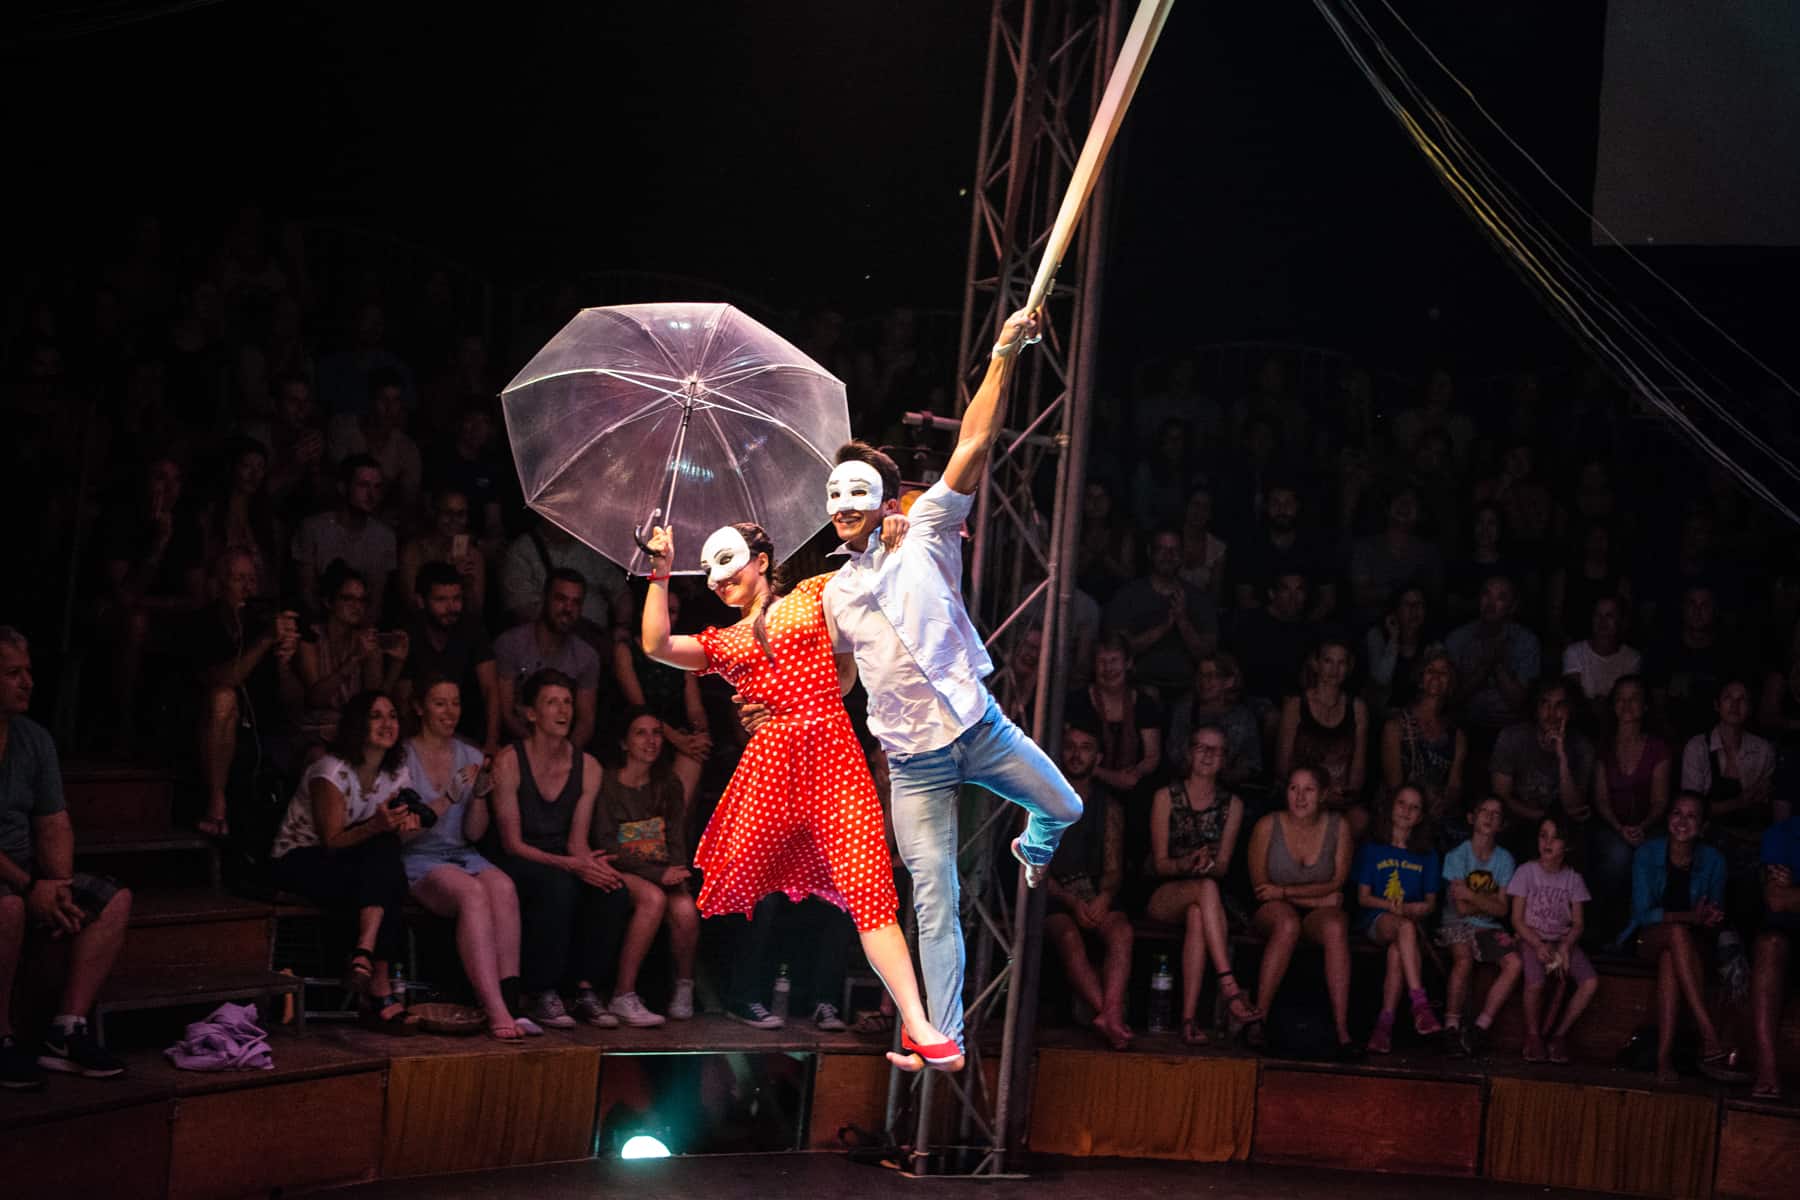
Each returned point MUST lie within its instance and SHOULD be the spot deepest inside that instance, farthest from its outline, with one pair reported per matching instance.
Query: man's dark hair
(435, 574)
(558, 575)
(356, 462)
(884, 466)
(337, 574)
(385, 377)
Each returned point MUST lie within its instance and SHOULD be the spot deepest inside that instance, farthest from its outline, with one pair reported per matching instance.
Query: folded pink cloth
(228, 1040)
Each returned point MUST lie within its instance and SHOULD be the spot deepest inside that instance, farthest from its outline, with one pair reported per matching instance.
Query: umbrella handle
(637, 535)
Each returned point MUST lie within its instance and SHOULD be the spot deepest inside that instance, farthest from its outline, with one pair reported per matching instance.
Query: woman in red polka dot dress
(800, 815)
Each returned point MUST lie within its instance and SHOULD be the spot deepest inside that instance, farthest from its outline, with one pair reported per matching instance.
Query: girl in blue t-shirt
(1396, 887)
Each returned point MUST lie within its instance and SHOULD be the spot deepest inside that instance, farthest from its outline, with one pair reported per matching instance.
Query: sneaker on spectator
(628, 1008)
(681, 1007)
(1425, 1021)
(589, 1009)
(19, 1070)
(77, 1053)
(826, 1018)
(548, 1010)
(1381, 1038)
(754, 1015)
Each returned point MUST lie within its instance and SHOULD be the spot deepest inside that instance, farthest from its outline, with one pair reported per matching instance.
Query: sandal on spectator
(217, 828)
(1559, 1050)
(1534, 1050)
(505, 1032)
(360, 973)
(1192, 1034)
(385, 1014)
(1722, 1066)
(874, 1024)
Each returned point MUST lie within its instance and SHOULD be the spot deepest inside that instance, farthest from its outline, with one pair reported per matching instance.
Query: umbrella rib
(731, 456)
(735, 407)
(588, 443)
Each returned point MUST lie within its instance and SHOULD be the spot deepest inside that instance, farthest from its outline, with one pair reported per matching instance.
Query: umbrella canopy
(695, 410)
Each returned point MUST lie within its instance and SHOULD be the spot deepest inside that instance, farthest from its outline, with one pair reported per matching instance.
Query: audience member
(1687, 670)
(248, 686)
(1168, 624)
(298, 480)
(444, 640)
(351, 532)
(1780, 854)
(1735, 770)
(1677, 903)
(674, 696)
(451, 878)
(343, 655)
(1272, 643)
(550, 641)
(1279, 547)
(1202, 551)
(1631, 794)
(1083, 884)
(468, 465)
(242, 516)
(1522, 496)
(339, 846)
(1542, 765)
(1015, 685)
(1547, 916)
(1299, 861)
(821, 934)
(1593, 574)
(446, 541)
(1391, 559)
(1497, 660)
(573, 900)
(1596, 664)
(525, 573)
(1214, 701)
(1392, 648)
(1421, 747)
(1397, 881)
(1328, 728)
(345, 376)
(1106, 553)
(1476, 875)
(40, 889)
(640, 822)
(1436, 413)
(1194, 826)
(379, 432)
(1163, 478)
(1485, 559)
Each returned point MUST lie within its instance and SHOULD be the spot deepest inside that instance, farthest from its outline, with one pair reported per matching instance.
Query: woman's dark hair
(1499, 518)
(1565, 828)
(336, 576)
(353, 732)
(631, 716)
(1418, 839)
(422, 688)
(1115, 641)
(860, 452)
(757, 538)
(540, 679)
(1609, 721)
(1320, 779)
(1701, 801)
(260, 509)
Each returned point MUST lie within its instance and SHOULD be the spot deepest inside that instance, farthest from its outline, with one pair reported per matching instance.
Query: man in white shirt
(1603, 659)
(901, 613)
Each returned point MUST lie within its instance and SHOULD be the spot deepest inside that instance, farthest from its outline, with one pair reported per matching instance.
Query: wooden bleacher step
(108, 799)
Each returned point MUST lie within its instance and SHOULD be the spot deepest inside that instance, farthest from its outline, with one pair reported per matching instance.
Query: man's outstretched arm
(986, 414)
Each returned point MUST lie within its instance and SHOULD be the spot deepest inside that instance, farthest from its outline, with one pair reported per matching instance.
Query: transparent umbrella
(692, 413)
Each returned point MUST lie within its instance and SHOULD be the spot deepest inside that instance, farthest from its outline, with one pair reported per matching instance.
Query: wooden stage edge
(346, 1106)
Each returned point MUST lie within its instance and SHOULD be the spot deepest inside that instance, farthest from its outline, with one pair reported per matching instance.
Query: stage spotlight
(643, 1146)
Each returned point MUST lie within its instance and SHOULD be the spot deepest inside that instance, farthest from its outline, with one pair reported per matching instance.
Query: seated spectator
(1687, 671)
(151, 550)
(1397, 882)
(469, 466)
(1522, 496)
(1168, 624)
(446, 540)
(1547, 916)
(550, 641)
(674, 696)
(1013, 686)
(444, 640)
(822, 931)
(1631, 794)
(1541, 765)
(1391, 559)
(343, 655)
(1194, 825)
(1164, 476)
(1677, 905)
(1299, 861)
(1273, 642)
(1778, 716)
(1129, 718)
(1083, 884)
(1780, 852)
(1735, 770)
(1280, 547)
(40, 887)
(1421, 747)
(242, 516)
(351, 532)
(339, 846)
(344, 374)
(1669, 579)
(1202, 551)
(247, 681)
(451, 878)
(572, 899)
(1392, 648)
(1476, 876)
(379, 432)
(299, 478)
(1603, 659)
(1436, 413)
(640, 821)
(1214, 702)
(1497, 660)
(1106, 553)
(525, 573)
(1328, 728)
(1594, 574)
(1486, 558)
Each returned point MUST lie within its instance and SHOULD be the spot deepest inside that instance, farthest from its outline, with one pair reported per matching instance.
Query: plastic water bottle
(397, 985)
(778, 1002)
(1162, 997)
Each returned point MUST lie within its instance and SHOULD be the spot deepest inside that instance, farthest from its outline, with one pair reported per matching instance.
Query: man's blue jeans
(995, 754)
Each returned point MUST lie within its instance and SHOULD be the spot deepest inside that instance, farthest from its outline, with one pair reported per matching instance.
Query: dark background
(807, 152)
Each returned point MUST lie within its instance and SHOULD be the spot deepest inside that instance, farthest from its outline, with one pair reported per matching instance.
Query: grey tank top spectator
(544, 824)
(1286, 871)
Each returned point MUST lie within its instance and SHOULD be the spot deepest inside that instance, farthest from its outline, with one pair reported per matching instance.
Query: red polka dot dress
(800, 815)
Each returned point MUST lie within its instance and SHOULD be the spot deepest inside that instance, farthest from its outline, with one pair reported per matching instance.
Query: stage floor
(775, 1176)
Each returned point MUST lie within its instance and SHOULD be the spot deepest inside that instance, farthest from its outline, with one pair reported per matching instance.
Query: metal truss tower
(1047, 66)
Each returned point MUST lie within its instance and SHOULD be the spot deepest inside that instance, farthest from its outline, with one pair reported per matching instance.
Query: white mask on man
(854, 486)
(724, 555)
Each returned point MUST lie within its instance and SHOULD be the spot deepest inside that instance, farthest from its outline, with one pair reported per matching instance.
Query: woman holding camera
(339, 845)
(342, 654)
(447, 874)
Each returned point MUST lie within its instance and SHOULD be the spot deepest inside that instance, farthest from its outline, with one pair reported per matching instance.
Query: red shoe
(939, 1056)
